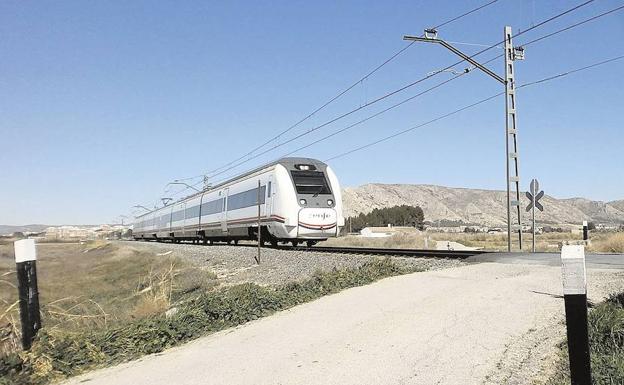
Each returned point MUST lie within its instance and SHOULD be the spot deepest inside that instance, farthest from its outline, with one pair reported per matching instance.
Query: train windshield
(311, 182)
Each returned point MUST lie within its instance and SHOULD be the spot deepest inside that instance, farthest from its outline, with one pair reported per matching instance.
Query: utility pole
(511, 137)
(511, 143)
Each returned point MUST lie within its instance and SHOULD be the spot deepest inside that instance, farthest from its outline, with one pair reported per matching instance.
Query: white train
(300, 201)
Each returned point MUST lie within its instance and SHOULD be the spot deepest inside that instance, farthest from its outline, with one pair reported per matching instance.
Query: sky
(103, 103)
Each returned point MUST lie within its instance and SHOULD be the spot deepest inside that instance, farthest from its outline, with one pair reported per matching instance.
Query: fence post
(26, 264)
(575, 298)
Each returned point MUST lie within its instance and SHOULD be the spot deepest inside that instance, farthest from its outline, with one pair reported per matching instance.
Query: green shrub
(403, 215)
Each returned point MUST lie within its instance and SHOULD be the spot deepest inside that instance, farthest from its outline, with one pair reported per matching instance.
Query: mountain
(617, 204)
(474, 206)
(10, 229)
(35, 228)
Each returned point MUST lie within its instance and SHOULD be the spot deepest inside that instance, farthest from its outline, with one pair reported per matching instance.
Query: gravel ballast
(236, 264)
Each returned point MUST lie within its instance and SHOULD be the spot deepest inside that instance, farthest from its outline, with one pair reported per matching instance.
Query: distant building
(376, 232)
(84, 233)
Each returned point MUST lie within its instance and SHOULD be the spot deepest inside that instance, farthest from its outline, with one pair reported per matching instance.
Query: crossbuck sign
(534, 196)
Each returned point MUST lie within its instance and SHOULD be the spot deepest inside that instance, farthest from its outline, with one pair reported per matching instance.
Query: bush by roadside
(56, 355)
(606, 344)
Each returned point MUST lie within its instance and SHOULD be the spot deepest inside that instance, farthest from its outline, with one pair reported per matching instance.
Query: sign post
(259, 227)
(30, 318)
(534, 196)
(575, 298)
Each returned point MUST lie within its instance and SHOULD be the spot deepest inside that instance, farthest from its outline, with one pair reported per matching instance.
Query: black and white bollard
(585, 231)
(25, 260)
(575, 298)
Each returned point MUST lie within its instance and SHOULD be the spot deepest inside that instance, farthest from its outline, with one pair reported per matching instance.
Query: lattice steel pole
(511, 140)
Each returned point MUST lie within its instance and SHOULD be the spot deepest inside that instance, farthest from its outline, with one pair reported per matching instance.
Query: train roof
(283, 161)
(288, 161)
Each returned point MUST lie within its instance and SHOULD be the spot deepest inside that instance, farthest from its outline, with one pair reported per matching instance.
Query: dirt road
(485, 323)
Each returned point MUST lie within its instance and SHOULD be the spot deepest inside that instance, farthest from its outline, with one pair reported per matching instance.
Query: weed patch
(95, 286)
(606, 344)
(56, 355)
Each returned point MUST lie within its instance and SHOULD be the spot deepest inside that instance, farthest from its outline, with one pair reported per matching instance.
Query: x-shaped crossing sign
(538, 196)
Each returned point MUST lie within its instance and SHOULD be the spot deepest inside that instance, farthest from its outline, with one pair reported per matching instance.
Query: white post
(575, 300)
(26, 263)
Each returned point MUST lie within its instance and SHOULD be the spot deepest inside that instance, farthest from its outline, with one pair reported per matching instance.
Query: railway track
(457, 254)
(415, 253)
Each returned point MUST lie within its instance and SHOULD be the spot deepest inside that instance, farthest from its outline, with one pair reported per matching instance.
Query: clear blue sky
(103, 103)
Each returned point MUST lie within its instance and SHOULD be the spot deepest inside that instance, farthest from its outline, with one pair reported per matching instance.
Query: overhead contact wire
(540, 81)
(343, 92)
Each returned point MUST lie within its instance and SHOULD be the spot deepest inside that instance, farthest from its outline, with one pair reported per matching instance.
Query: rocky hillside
(472, 206)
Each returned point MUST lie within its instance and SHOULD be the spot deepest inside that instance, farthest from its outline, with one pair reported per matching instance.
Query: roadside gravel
(236, 264)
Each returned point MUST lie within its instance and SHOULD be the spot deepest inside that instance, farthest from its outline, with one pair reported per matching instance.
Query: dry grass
(9, 332)
(600, 242)
(96, 285)
(155, 292)
(400, 240)
(609, 243)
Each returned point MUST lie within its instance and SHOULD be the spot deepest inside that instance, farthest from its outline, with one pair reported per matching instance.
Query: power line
(547, 79)
(385, 110)
(543, 80)
(464, 14)
(396, 105)
(576, 24)
(550, 19)
(387, 95)
(438, 85)
(343, 92)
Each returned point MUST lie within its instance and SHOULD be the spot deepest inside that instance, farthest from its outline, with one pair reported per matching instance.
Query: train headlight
(303, 202)
(330, 202)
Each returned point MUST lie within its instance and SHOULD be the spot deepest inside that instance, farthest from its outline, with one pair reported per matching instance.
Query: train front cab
(319, 201)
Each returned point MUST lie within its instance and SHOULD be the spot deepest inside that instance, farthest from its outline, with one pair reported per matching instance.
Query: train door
(170, 220)
(224, 195)
(184, 224)
(269, 197)
(199, 222)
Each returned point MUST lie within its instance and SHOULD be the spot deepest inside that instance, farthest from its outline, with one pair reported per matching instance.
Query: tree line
(403, 215)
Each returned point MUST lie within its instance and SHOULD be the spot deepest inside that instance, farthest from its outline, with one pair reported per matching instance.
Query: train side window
(269, 190)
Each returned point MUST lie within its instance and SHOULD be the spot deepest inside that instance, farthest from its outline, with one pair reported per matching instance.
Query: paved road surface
(595, 261)
(453, 326)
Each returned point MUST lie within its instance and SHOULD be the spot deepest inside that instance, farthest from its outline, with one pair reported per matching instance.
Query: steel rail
(458, 254)
(414, 253)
